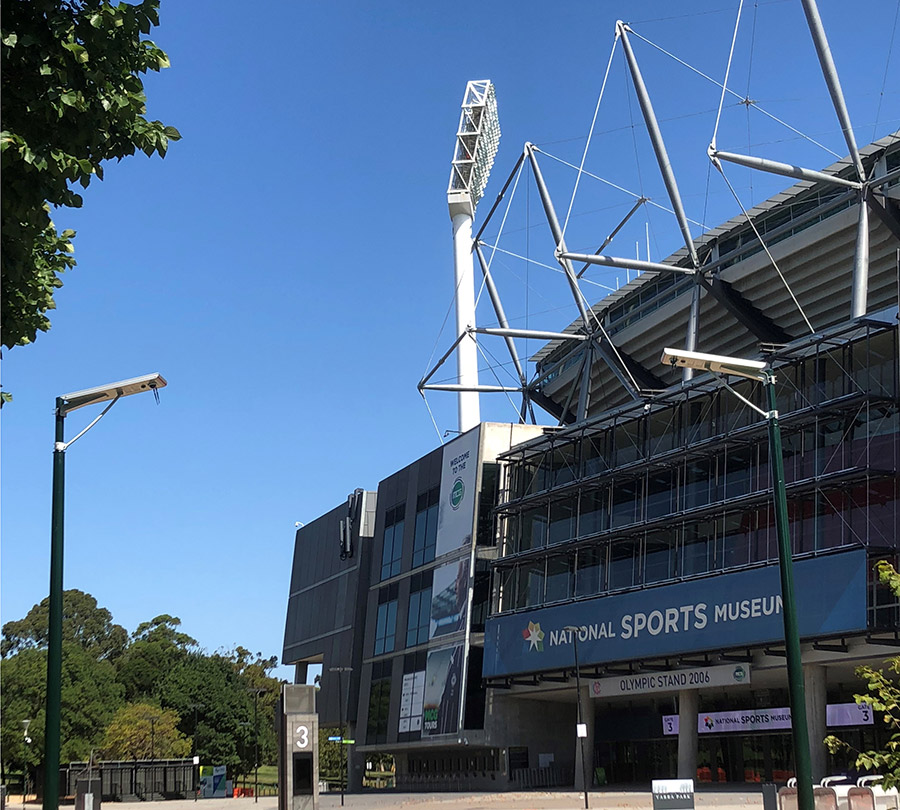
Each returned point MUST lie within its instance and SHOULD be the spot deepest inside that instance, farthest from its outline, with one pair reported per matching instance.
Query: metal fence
(141, 779)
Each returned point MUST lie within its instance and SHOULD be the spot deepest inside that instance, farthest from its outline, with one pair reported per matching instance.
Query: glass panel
(659, 556)
(738, 471)
(662, 427)
(698, 548)
(562, 520)
(625, 502)
(624, 557)
(594, 511)
(589, 573)
(563, 464)
(534, 528)
(659, 500)
(596, 453)
(698, 484)
(559, 578)
(736, 539)
(530, 585)
(629, 446)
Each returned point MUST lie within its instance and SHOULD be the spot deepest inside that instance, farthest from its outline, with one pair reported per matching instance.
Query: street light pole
(759, 371)
(580, 729)
(340, 670)
(111, 393)
(25, 740)
(796, 689)
(256, 744)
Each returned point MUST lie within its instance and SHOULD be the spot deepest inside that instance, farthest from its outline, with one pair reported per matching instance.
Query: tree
(883, 695)
(142, 731)
(209, 688)
(71, 98)
(90, 697)
(156, 647)
(85, 624)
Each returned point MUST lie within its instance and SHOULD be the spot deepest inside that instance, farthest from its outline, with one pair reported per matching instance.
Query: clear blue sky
(288, 266)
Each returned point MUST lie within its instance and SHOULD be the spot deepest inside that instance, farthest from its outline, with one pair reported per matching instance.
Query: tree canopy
(71, 98)
(85, 624)
(155, 691)
(143, 731)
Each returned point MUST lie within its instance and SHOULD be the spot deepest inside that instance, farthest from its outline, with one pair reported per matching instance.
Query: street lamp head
(751, 369)
(103, 393)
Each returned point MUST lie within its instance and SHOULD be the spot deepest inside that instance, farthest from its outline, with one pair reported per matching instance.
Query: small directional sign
(349, 742)
(334, 739)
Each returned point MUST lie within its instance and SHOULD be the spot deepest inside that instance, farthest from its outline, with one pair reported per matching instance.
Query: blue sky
(288, 266)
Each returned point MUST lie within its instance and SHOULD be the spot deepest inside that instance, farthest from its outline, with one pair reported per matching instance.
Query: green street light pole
(759, 371)
(111, 393)
(796, 689)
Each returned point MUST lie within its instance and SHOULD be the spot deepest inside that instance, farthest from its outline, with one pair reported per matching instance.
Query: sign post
(673, 794)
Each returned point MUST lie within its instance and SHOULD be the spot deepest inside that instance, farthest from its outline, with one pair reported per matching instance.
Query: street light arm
(63, 446)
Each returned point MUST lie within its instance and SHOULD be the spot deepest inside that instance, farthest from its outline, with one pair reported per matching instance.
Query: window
(379, 703)
(392, 549)
(386, 620)
(559, 578)
(562, 520)
(659, 556)
(419, 609)
(426, 527)
(594, 511)
(589, 574)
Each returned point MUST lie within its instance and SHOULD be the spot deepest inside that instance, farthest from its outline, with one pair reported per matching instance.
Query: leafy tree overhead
(142, 731)
(883, 695)
(85, 624)
(72, 97)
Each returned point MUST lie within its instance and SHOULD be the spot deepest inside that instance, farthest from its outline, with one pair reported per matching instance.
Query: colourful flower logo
(708, 722)
(534, 636)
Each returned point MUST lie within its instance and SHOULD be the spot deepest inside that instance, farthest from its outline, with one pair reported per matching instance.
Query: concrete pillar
(816, 700)
(587, 705)
(688, 706)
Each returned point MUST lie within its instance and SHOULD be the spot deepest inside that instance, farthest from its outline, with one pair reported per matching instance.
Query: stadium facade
(644, 521)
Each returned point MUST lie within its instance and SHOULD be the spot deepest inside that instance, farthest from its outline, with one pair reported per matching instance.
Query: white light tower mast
(477, 139)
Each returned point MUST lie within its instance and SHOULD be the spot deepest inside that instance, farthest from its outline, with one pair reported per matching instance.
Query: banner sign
(443, 691)
(412, 698)
(714, 613)
(449, 598)
(672, 681)
(456, 508)
(750, 720)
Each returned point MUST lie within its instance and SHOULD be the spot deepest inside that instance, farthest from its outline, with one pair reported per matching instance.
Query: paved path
(531, 800)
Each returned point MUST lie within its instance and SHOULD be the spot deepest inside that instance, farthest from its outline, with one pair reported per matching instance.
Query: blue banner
(718, 612)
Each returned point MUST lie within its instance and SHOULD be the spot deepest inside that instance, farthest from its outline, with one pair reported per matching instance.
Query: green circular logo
(457, 493)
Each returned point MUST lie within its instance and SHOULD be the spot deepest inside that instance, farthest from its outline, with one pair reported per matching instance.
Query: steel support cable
(609, 183)
(756, 106)
(762, 242)
(433, 420)
(737, 24)
(747, 91)
(587, 144)
(887, 64)
(491, 361)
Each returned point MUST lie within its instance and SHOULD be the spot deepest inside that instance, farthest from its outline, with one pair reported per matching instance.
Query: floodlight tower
(477, 139)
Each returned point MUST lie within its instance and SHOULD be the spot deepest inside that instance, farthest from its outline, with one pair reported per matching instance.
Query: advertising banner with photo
(456, 509)
(449, 598)
(412, 699)
(714, 613)
(443, 691)
(836, 714)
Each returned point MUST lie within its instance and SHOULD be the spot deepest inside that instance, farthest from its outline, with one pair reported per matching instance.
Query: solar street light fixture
(760, 371)
(110, 393)
(477, 141)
